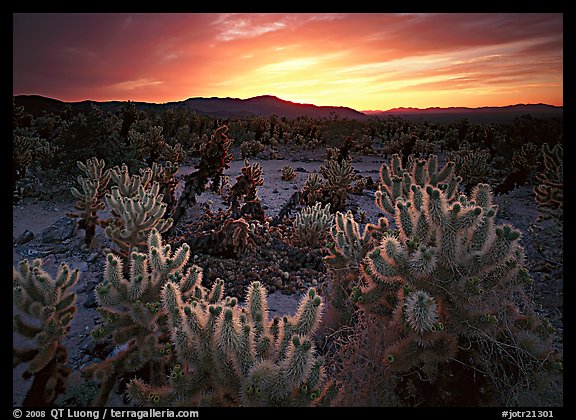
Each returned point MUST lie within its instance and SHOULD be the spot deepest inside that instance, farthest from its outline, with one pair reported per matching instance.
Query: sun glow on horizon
(362, 61)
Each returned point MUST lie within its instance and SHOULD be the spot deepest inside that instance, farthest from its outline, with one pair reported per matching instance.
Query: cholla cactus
(135, 217)
(339, 176)
(27, 148)
(227, 355)
(312, 189)
(128, 185)
(246, 189)
(93, 185)
(527, 159)
(288, 173)
(396, 181)
(164, 175)
(312, 223)
(131, 306)
(550, 191)
(214, 158)
(348, 246)
(51, 303)
(451, 276)
(473, 165)
(251, 148)
(21, 157)
(237, 235)
(173, 153)
(149, 145)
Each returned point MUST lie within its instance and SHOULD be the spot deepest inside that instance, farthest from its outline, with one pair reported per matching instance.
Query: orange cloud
(365, 61)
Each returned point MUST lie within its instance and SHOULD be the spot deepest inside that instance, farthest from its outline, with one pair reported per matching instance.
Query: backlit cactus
(312, 189)
(338, 176)
(93, 185)
(236, 235)
(452, 276)
(312, 224)
(50, 304)
(473, 165)
(550, 191)
(396, 181)
(227, 355)
(128, 185)
(131, 307)
(164, 175)
(135, 217)
(348, 246)
(288, 173)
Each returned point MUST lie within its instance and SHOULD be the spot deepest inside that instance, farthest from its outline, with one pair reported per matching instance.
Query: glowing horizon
(362, 61)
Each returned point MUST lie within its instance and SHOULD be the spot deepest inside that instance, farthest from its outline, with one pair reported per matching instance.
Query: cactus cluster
(48, 305)
(93, 185)
(527, 158)
(251, 148)
(199, 347)
(288, 173)
(550, 191)
(137, 208)
(227, 355)
(130, 304)
(452, 276)
(151, 146)
(236, 235)
(164, 175)
(348, 247)
(338, 176)
(243, 198)
(396, 181)
(27, 148)
(332, 186)
(473, 165)
(312, 224)
(312, 189)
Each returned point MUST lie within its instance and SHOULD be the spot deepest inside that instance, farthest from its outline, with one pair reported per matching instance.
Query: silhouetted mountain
(267, 105)
(215, 107)
(263, 106)
(487, 113)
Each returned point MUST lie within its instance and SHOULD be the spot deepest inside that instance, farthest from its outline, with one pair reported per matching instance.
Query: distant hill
(267, 105)
(263, 106)
(482, 114)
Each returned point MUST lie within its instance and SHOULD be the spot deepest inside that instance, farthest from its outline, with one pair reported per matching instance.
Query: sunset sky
(364, 61)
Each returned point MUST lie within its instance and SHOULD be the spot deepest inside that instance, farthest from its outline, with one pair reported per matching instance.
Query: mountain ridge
(267, 105)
